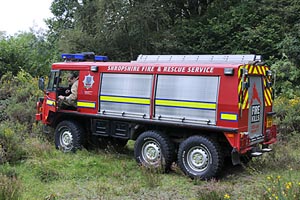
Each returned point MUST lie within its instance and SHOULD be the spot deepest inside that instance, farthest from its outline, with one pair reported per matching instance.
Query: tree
(28, 51)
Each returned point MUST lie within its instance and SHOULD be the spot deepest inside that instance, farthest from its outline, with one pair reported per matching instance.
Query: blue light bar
(66, 56)
(79, 57)
(101, 58)
(83, 57)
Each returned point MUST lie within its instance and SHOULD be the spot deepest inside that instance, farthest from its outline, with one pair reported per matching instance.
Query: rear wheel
(200, 157)
(154, 150)
(68, 136)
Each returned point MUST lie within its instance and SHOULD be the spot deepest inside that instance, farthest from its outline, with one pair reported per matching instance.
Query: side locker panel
(125, 95)
(187, 98)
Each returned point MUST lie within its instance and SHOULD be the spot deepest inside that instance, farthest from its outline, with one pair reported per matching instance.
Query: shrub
(287, 116)
(287, 78)
(3, 106)
(11, 142)
(21, 92)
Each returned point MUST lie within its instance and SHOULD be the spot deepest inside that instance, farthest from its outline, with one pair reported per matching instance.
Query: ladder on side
(243, 59)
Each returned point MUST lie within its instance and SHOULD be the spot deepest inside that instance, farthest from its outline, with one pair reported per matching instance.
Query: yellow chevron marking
(255, 71)
(267, 101)
(264, 70)
(245, 103)
(240, 87)
(259, 70)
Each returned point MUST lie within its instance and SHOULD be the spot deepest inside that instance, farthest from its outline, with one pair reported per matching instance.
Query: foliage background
(123, 29)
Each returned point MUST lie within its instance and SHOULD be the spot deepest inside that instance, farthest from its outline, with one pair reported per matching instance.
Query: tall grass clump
(214, 190)
(280, 188)
(151, 177)
(10, 187)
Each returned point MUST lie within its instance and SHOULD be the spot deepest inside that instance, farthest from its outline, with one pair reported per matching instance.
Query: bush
(287, 78)
(287, 116)
(11, 142)
(19, 95)
(3, 106)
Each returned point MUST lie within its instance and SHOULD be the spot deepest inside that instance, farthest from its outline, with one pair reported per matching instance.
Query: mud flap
(235, 157)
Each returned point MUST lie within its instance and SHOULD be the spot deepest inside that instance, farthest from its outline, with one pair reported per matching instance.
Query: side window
(58, 80)
(53, 81)
(64, 75)
(64, 79)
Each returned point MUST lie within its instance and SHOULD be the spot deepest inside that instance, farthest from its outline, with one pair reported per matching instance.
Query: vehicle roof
(87, 65)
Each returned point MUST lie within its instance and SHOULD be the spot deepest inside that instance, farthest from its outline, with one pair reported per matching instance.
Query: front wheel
(68, 136)
(200, 157)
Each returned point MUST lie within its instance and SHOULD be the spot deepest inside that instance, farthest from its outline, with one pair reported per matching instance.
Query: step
(266, 150)
(256, 154)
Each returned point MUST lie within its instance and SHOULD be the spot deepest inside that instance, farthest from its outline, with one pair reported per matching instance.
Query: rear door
(256, 109)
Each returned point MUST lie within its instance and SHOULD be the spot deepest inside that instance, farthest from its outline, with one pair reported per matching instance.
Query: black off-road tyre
(154, 150)
(69, 136)
(200, 157)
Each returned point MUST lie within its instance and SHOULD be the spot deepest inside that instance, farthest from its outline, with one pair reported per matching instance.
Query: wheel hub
(198, 159)
(66, 139)
(151, 152)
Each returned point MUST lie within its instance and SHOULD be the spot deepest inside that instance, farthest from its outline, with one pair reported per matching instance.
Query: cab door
(51, 93)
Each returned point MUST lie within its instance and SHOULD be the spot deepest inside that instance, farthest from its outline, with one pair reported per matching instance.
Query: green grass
(112, 175)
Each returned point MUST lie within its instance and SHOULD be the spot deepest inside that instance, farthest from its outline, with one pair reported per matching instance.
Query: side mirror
(42, 83)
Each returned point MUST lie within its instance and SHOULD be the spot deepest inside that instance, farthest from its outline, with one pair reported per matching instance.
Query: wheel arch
(84, 122)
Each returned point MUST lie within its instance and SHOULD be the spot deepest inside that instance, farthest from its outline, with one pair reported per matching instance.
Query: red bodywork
(230, 116)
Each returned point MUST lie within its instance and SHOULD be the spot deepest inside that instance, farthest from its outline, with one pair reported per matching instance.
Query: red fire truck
(196, 110)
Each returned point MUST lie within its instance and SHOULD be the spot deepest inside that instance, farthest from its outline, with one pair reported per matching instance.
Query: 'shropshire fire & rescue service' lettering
(161, 69)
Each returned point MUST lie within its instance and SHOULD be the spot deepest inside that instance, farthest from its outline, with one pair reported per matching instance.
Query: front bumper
(38, 116)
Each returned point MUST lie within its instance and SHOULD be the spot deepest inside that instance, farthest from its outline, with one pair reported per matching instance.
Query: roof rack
(199, 58)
